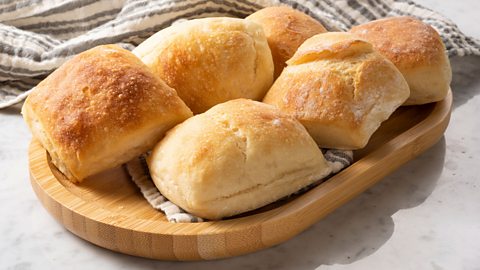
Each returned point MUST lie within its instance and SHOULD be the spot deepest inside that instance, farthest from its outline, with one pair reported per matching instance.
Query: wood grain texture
(109, 211)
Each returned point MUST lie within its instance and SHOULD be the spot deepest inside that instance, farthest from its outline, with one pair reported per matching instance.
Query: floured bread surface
(211, 60)
(339, 88)
(238, 156)
(417, 51)
(100, 109)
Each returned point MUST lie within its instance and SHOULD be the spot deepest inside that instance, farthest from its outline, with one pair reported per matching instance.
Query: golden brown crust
(78, 95)
(417, 51)
(339, 88)
(405, 41)
(184, 64)
(286, 29)
(211, 60)
(334, 45)
(98, 97)
(306, 104)
(237, 156)
(346, 85)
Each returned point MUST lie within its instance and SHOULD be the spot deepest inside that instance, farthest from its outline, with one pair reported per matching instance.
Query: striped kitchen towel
(138, 171)
(37, 36)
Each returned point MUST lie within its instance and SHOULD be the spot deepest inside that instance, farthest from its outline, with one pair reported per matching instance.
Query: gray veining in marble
(424, 216)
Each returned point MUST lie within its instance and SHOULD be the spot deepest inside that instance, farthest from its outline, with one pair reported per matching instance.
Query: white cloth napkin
(138, 170)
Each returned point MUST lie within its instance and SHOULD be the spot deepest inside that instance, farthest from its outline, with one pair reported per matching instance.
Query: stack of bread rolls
(191, 93)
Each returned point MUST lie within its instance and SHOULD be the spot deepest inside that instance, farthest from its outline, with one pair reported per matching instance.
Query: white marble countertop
(424, 216)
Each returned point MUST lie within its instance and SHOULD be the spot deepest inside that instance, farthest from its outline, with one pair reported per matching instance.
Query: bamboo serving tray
(109, 211)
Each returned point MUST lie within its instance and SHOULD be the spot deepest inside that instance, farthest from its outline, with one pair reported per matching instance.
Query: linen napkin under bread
(38, 36)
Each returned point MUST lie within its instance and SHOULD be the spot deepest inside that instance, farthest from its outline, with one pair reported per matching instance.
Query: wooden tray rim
(437, 119)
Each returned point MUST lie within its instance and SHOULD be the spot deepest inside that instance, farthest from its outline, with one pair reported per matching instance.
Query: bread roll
(418, 52)
(238, 156)
(212, 60)
(100, 109)
(339, 88)
(286, 29)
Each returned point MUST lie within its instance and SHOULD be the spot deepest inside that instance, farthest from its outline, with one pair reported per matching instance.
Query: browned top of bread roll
(211, 60)
(344, 87)
(405, 41)
(333, 45)
(339, 88)
(96, 104)
(103, 80)
(417, 51)
(286, 29)
(237, 156)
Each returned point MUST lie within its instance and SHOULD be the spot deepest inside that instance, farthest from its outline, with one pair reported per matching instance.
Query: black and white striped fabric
(140, 175)
(37, 36)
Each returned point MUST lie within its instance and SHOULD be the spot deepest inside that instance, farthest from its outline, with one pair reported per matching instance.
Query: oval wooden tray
(109, 211)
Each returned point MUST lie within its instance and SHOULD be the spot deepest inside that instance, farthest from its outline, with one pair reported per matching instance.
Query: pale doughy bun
(339, 88)
(100, 109)
(286, 29)
(238, 156)
(212, 60)
(418, 52)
